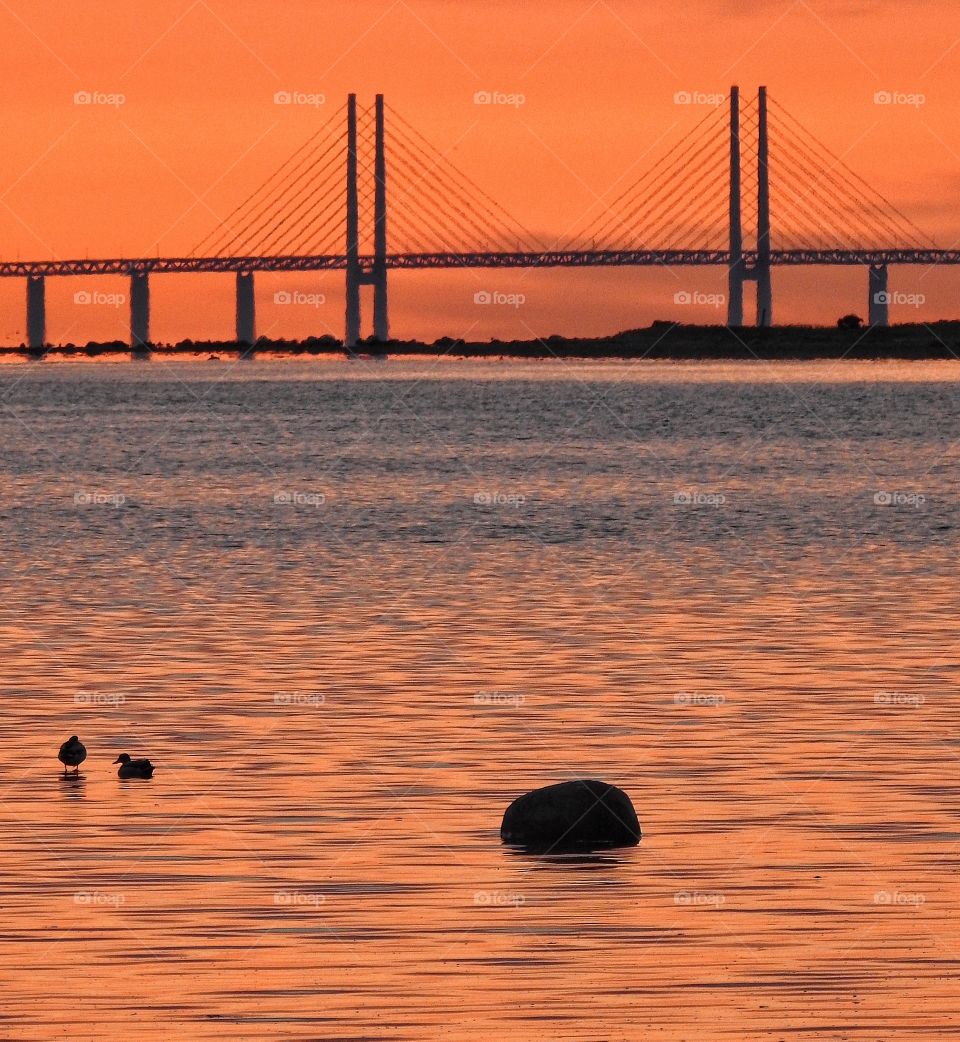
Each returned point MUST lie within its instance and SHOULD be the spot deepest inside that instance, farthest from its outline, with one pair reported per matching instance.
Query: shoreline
(660, 341)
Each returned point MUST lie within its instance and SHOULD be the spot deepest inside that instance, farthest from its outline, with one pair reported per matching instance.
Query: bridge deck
(424, 261)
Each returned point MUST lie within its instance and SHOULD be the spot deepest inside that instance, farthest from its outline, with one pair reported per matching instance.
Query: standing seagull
(133, 768)
(72, 754)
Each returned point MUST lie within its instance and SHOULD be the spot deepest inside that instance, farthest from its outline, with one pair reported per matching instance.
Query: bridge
(326, 208)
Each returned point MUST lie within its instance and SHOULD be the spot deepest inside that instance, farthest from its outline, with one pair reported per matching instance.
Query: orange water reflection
(339, 712)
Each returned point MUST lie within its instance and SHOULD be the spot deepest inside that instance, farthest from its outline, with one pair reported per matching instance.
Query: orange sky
(198, 130)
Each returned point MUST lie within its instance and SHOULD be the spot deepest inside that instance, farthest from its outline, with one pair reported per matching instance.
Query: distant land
(661, 340)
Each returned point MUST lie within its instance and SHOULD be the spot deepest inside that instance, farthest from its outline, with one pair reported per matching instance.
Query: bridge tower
(764, 287)
(36, 312)
(736, 272)
(759, 272)
(352, 332)
(356, 275)
(381, 324)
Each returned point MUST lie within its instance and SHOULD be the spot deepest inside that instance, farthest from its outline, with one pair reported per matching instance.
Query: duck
(72, 753)
(133, 768)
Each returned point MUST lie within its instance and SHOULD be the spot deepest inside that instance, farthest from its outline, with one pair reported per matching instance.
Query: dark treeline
(661, 340)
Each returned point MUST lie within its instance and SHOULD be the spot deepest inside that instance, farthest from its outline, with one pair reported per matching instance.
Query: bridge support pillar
(352, 330)
(736, 272)
(381, 324)
(764, 286)
(246, 310)
(139, 310)
(878, 306)
(36, 312)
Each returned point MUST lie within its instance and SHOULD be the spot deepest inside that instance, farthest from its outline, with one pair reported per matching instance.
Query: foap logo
(98, 898)
(99, 97)
(298, 899)
(299, 698)
(716, 300)
(898, 698)
(698, 698)
(695, 498)
(913, 300)
(498, 899)
(699, 898)
(299, 97)
(312, 300)
(899, 897)
(109, 300)
(499, 97)
(511, 699)
(299, 499)
(499, 499)
(915, 500)
(699, 97)
(99, 499)
(99, 698)
(899, 97)
(486, 297)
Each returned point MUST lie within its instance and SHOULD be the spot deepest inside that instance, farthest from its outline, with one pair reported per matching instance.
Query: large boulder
(574, 815)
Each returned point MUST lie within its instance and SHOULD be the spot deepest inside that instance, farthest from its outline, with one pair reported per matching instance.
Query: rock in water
(574, 815)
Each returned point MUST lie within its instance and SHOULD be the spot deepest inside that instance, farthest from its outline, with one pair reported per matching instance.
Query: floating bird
(72, 754)
(133, 768)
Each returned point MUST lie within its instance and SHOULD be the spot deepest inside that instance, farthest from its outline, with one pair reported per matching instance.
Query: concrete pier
(139, 310)
(878, 305)
(246, 310)
(36, 312)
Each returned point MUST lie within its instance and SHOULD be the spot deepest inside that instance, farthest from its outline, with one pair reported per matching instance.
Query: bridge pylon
(736, 273)
(381, 322)
(356, 274)
(352, 329)
(764, 286)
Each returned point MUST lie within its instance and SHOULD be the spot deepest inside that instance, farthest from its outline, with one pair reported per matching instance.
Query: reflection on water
(72, 785)
(350, 612)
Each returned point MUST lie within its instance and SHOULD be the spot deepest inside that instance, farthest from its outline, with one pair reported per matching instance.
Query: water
(477, 580)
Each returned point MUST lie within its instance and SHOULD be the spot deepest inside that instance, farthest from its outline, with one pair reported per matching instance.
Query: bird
(133, 768)
(72, 754)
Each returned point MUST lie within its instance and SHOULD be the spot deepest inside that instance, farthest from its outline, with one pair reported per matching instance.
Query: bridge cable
(911, 230)
(316, 140)
(473, 191)
(459, 214)
(700, 130)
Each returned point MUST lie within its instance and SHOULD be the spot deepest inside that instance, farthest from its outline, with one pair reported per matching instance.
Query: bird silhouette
(72, 754)
(133, 768)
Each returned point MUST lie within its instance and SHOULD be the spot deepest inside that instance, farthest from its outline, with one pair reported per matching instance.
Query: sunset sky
(198, 130)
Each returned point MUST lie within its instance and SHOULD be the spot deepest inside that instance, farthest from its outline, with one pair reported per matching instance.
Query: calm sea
(351, 610)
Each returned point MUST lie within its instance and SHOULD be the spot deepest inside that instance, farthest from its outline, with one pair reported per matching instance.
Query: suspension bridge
(747, 189)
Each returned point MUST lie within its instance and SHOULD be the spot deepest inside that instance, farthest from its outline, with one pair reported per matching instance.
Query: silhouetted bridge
(320, 199)
(432, 261)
